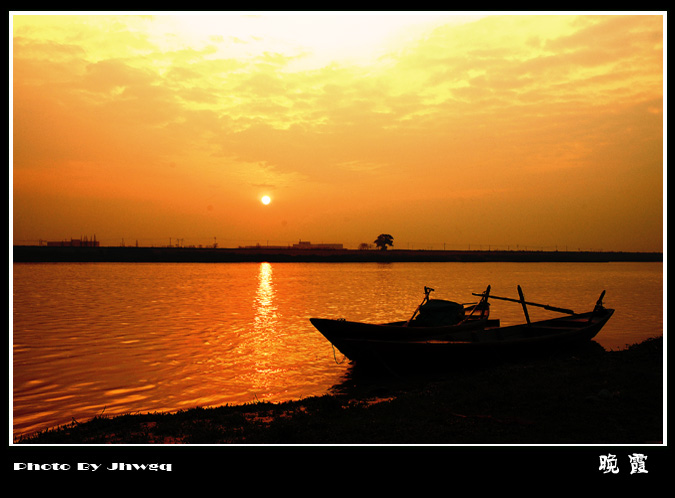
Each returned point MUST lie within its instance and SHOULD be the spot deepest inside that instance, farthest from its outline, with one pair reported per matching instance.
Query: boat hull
(474, 342)
(339, 330)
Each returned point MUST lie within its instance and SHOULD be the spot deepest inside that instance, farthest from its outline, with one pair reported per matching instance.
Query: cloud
(482, 109)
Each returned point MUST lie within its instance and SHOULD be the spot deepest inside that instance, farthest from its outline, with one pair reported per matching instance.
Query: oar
(524, 303)
(598, 306)
(545, 306)
(427, 291)
(482, 304)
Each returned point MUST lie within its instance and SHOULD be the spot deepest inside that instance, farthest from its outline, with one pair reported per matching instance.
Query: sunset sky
(456, 131)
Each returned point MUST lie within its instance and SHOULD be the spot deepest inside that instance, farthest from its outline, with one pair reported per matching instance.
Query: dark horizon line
(261, 247)
(282, 254)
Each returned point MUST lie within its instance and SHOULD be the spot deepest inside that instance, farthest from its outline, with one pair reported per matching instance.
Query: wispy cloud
(164, 110)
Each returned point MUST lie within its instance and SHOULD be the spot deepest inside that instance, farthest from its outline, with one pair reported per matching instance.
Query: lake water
(107, 338)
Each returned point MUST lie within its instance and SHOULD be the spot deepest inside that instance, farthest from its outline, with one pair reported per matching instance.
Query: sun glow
(137, 127)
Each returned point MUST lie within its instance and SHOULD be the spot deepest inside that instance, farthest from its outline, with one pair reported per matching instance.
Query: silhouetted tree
(383, 240)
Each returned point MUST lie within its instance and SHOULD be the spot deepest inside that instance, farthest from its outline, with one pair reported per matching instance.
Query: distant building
(81, 242)
(258, 246)
(308, 245)
(300, 245)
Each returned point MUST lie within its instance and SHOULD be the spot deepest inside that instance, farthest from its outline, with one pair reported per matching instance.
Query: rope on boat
(335, 357)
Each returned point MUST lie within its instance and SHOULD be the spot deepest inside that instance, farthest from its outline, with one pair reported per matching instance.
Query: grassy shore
(591, 396)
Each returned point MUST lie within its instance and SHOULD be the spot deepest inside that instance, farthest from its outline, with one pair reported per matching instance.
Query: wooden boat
(479, 339)
(433, 319)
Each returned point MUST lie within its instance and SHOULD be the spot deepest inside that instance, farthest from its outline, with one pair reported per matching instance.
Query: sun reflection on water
(266, 335)
(265, 308)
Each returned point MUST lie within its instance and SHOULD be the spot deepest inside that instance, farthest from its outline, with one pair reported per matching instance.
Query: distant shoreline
(44, 254)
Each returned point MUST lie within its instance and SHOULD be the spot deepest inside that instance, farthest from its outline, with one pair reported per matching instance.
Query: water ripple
(122, 338)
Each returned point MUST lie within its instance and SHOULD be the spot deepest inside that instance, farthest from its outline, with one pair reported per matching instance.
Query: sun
(265, 199)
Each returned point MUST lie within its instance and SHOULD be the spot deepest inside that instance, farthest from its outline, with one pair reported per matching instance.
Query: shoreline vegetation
(585, 396)
(108, 254)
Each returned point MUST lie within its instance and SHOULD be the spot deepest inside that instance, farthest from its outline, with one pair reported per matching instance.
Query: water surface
(113, 338)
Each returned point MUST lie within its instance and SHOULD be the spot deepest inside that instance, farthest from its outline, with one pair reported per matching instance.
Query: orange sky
(509, 131)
